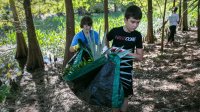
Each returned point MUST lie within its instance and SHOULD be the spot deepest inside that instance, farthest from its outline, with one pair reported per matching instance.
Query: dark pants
(172, 32)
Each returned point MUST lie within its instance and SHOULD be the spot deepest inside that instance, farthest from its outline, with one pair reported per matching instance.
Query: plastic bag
(98, 82)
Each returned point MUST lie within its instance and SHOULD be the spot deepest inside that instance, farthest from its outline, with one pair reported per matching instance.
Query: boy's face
(131, 24)
(86, 28)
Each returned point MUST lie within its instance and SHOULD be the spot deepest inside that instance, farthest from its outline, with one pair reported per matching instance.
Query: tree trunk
(198, 22)
(69, 30)
(35, 59)
(185, 19)
(180, 17)
(21, 52)
(150, 38)
(163, 28)
(115, 7)
(106, 28)
(174, 3)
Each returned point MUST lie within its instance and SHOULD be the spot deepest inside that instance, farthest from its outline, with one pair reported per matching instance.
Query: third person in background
(173, 22)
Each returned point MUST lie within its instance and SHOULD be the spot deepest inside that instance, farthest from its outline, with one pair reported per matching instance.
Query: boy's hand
(76, 47)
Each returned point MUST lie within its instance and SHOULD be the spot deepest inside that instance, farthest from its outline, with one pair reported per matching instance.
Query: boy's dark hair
(86, 20)
(134, 12)
(175, 9)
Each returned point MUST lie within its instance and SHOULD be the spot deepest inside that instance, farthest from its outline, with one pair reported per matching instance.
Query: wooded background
(45, 23)
(37, 34)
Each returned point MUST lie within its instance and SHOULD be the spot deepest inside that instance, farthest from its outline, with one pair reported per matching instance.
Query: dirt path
(164, 83)
(169, 82)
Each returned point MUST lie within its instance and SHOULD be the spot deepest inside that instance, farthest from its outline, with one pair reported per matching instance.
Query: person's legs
(115, 110)
(171, 34)
(169, 37)
(124, 105)
(173, 31)
(127, 82)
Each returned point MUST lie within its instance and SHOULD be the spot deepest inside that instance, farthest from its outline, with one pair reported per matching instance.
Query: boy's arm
(74, 48)
(109, 37)
(138, 54)
(74, 44)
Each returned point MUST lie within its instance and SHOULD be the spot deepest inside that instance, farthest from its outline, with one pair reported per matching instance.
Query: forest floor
(163, 82)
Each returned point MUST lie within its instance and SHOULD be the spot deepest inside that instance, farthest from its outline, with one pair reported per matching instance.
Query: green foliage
(4, 92)
(50, 28)
(83, 67)
(11, 37)
(71, 69)
(9, 71)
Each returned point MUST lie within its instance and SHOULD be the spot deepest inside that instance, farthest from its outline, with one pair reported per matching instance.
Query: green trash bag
(97, 82)
(106, 88)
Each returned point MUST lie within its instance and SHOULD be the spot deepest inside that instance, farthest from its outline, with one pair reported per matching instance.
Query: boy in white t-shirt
(173, 22)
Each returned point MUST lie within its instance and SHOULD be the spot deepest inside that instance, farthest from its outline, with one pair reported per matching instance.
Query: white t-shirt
(173, 19)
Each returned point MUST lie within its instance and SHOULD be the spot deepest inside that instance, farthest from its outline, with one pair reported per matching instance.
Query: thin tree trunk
(163, 28)
(180, 11)
(115, 7)
(150, 37)
(185, 11)
(22, 50)
(174, 3)
(198, 22)
(185, 19)
(69, 30)
(106, 28)
(35, 59)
